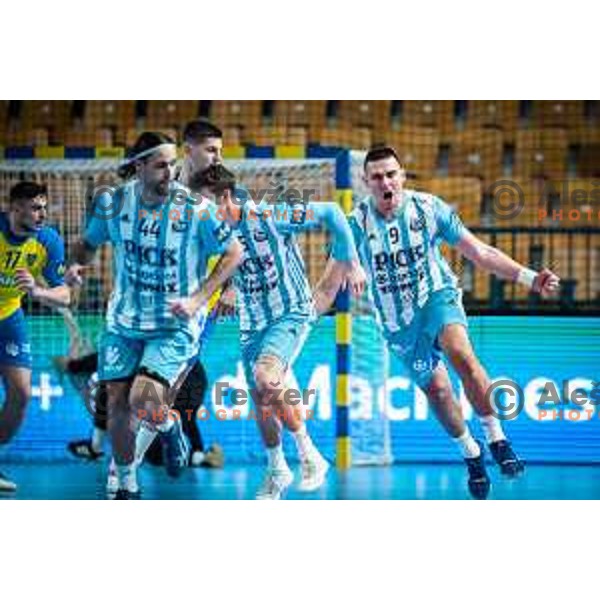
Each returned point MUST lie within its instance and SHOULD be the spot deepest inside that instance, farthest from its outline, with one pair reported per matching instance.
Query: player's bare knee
(148, 400)
(268, 375)
(439, 393)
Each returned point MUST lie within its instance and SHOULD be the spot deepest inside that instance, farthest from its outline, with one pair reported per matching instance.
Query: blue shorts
(166, 356)
(283, 338)
(418, 346)
(15, 349)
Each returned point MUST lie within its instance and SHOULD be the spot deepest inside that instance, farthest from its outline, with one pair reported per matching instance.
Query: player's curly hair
(217, 178)
(142, 150)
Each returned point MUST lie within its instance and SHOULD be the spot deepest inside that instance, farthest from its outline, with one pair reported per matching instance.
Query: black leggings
(189, 399)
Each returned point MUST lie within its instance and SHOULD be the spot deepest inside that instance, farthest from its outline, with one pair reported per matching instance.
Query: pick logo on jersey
(148, 255)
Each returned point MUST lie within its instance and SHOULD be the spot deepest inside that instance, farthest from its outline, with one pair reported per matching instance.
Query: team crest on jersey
(180, 226)
(12, 349)
(260, 236)
(417, 223)
(31, 258)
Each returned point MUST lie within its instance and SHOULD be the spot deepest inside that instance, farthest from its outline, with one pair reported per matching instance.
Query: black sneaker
(479, 482)
(83, 449)
(127, 495)
(510, 464)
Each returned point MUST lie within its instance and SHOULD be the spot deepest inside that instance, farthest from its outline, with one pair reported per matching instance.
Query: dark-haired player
(32, 263)
(276, 311)
(398, 233)
(162, 239)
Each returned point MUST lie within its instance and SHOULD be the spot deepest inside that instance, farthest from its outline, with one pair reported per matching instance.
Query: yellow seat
(371, 114)
(358, 138)
(498, 114)
(541, 153)
(566, 114)
(437, 114)
(417, 148)
(476, 153)
(172, 114)
(462, 193)
(115, 115)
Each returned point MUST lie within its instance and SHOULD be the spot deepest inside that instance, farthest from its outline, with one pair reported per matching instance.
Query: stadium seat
(96, 136)
(244, 114)
(437, 114)
(232, 136)
(357, 138)
(265, 135)
(18, 135)
(115, 115)
(306, 113)
(588, 160)
(172, 114)
(462, 193)
(577, 203)
(417, 148)
(565, 114)
(499, 114)
(476, 153)
(516, 202)
(50, 115)
(541, 153)
(372, 114)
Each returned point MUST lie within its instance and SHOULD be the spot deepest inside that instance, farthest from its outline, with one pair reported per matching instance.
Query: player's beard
(162, 189)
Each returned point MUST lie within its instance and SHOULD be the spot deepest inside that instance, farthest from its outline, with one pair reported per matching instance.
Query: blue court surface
(77, 481)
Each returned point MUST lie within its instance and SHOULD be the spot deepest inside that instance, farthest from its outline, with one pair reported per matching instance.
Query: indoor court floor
(80, 481)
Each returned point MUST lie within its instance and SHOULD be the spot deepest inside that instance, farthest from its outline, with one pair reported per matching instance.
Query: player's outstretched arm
(495, 261)
(57, 296)
(188, 307)
(312, 215)
(82, 255)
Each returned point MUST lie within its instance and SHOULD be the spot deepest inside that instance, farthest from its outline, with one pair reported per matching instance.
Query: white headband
(150, 151)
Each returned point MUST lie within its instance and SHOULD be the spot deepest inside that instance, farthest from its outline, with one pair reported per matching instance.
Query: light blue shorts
(418, 346)
(283, 338)
(165, 356)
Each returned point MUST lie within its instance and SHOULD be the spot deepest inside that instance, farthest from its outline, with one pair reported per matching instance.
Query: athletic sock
(276, 459)
(143, 440)
(98, 436)
(469, 448)
(492, 429)
(304, 444)
(127, 477)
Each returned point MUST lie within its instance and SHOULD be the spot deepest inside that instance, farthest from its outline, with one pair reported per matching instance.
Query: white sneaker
(314, 470)
(112, 482)
(6, 485)
(275, 483)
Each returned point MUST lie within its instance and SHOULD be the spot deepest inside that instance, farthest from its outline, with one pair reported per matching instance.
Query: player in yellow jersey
(31, 263)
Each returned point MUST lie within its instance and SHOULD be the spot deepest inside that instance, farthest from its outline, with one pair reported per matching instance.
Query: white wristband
(526, 277)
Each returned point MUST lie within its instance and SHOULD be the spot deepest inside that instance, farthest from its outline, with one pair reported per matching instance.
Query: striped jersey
(402, 255)
(271, 280)
(160, 253)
